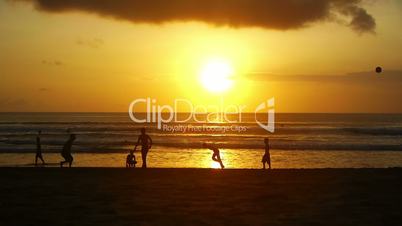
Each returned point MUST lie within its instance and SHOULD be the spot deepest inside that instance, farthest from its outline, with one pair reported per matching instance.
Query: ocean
(299, 140)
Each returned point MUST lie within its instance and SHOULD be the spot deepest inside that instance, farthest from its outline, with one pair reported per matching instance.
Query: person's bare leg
(43, 161)
(62, 163)
(220, 161)
(214, 158)
(217, 158)
(144, 159)
(36, 160)
(222, 166)
(70, 161)
(263, 165)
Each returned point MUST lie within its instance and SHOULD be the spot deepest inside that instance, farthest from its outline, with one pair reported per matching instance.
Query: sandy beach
(105, 196)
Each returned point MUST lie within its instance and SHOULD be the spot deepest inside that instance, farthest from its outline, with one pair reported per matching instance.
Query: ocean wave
(215, 129)
(113, 132)
(389, 131)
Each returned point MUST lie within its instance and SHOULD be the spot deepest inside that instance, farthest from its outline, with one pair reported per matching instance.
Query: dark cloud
(360, 20)
(271, 14)
(361, 77)
(52, 62)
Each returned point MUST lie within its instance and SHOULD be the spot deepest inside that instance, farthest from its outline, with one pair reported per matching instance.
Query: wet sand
(106, 196)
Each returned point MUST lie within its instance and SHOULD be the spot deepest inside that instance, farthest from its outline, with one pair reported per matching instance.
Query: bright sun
(216, 76)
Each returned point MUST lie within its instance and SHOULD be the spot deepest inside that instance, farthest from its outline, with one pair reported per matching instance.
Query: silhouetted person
(267, 156)
(130, 160)
(216, 154)
(146, 144)
(66, 152)
(38, 149)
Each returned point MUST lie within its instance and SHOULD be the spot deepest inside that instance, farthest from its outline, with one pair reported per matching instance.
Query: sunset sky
(98, 56)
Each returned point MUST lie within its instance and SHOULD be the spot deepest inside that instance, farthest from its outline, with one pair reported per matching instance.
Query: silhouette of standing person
(146, 144)
(216, 156)
(38, 150)
(66, 152)
(267, 156)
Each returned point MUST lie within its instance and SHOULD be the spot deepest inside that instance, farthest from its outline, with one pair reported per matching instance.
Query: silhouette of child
(130, 160)
(267, 156)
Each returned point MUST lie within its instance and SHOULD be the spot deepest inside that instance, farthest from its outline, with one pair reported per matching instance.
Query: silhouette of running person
(146, 144)
(38, 150)
(216, 154)
(66, 152)
(267, 156)
(130, 160)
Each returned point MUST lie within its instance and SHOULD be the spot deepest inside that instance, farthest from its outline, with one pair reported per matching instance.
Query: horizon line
(121, 112)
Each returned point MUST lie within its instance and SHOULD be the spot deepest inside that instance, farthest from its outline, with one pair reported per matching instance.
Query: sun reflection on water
(201, 158)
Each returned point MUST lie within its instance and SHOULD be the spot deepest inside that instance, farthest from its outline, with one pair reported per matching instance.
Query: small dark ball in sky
(378, 69)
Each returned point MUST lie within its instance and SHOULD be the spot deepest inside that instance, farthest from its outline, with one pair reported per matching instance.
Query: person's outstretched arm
(138, 142)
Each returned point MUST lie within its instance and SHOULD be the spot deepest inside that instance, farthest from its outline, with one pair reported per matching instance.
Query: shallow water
(232, 158)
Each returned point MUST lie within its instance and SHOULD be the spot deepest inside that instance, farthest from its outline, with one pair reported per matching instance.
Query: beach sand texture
(104, 196)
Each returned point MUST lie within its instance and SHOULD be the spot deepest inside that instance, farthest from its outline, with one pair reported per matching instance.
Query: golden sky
(71, 56)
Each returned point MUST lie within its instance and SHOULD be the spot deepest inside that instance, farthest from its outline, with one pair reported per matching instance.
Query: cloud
(360, 20)
(269, 14)
(52, 63)
(92, 43)
(361, 77)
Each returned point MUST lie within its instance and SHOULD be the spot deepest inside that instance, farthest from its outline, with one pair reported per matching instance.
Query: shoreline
(166, 149)
(232, 159)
